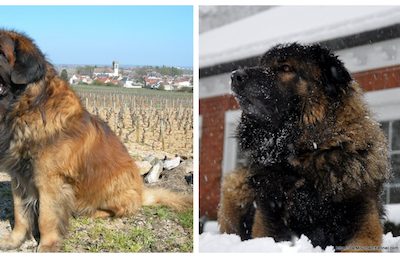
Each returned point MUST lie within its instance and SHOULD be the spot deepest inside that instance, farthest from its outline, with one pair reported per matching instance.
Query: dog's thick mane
(320, 137)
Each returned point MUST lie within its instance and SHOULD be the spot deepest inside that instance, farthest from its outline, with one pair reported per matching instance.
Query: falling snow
(376, 54)
(315, 145)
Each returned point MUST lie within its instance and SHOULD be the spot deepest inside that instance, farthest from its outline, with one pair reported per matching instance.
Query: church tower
(115, 67)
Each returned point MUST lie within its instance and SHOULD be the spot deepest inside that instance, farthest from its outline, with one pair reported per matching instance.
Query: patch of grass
(164, 213)
(187, 247)
(96, 235)
(82, 221)
(186, 219)
(127, 235)
(161, 212)
(135, 240)
(76, 235)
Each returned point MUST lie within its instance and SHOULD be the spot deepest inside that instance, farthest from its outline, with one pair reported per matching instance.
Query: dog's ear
(334, 76)
(30, 64)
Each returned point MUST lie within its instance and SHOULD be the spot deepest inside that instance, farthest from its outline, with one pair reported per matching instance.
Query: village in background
(166, 78)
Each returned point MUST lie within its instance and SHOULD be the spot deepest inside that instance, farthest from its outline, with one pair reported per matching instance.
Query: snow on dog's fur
(317, 161)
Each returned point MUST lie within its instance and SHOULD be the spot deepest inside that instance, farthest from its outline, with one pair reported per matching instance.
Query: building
(115, 67)
(367, 39)
(107, 71)
(153, 81)
(74, 79)
(183, 82)
(131, 84)
(103, 72)
(167, 87)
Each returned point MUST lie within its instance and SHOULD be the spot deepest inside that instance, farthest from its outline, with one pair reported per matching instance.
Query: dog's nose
(238, 77)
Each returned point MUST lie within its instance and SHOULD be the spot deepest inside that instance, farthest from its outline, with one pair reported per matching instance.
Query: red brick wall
(213, 111)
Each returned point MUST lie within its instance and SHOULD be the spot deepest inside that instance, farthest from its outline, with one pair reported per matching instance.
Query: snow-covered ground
(212, 241)
(393, 213)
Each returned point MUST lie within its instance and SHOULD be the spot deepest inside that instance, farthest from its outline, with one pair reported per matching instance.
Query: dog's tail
(162, 196)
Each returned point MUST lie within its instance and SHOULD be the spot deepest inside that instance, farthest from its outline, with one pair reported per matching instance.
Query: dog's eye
(285, 68)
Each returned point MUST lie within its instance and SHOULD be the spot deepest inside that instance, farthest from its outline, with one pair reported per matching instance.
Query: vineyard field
(156, 119)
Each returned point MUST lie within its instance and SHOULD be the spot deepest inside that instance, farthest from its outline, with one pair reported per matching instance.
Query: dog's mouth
(243, 100)
(254, 107)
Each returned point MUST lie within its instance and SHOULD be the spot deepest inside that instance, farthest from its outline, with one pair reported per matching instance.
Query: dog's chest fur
(20, 142)
(292, 207)
(18, 146)
(16, 151)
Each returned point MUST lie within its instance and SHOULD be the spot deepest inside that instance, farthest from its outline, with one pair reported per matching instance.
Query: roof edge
(340, 43)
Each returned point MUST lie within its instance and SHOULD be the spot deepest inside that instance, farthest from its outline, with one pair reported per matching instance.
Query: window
(392, 188)
(232, 157)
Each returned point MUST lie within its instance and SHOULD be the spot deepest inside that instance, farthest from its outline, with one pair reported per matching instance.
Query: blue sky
(132, 35)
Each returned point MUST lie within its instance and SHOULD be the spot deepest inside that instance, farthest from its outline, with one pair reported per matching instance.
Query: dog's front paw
(49, 247)
(9, 242)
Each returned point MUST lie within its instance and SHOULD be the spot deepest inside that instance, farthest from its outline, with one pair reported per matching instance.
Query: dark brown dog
(317, 160)
(61, 159)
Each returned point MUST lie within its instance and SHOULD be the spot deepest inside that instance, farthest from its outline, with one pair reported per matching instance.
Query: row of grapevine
(159, 122)
(106, 99)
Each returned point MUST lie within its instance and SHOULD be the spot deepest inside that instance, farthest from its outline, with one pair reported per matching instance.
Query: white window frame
(385, 105)
(232, 118)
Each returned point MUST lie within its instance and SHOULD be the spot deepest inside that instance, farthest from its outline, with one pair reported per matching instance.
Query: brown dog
(317, 160)
(61, 159)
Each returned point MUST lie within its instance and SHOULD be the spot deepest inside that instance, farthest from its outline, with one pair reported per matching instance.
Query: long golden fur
(317, 160)
(62, 160)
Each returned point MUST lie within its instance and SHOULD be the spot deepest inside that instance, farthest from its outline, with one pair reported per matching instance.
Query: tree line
(163, 70)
